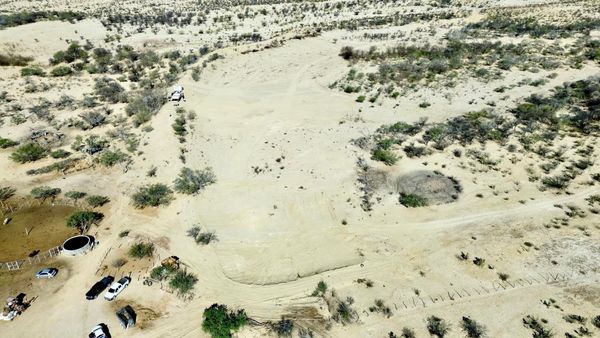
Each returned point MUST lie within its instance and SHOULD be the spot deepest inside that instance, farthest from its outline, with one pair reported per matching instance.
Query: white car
(99, 331)
(177, 96)
(46, 273)
(116, 288)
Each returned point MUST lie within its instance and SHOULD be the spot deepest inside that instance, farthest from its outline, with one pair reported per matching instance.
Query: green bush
(320, 289)
(141, 250)
(61, 71)
(29, 152)
(97, 200)
(191, 181)
(83, 219)
(74, 52)
(75, 195)
(60, 153)
(437, 326)
(14, 60)
(220, 323)
(183, 282)
(60, 166)
(44, 192)
(6, 193)
(7, 143)
(162, 272)
(412, 200)
(144, 105)
(109, 90)
(32, 71)
(152, 195)
(109, 158)
(361, 98)
(384, 155)
(472, 328)
(25, 17)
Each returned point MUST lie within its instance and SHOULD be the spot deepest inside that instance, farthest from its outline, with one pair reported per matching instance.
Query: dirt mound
(431, 185)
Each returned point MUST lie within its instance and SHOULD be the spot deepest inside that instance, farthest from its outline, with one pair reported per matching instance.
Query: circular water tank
(77, 245)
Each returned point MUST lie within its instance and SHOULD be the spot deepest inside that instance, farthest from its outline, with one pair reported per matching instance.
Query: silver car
(46, 273)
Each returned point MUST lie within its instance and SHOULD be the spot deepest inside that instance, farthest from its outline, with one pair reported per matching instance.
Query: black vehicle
(99, 287)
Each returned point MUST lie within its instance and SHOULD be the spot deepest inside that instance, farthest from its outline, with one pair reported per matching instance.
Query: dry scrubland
(339, 169)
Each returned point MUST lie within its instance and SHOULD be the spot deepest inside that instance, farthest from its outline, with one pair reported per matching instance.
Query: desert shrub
(75, 195)
(384, 155)
(472, 328)
(59, 153)
(220, 323)
(25, 17)
(32, 71)
(413, 201)
(183, 282)
(162, 272)
(83, 219)
(556, 182)
(518, 26)
(103, 58)
(152, 195)
(437, 326)
(201, 237)
(539, 331)
(179, 126)
(90, 145)
(93, 118)
(29, 152)
(61, 71)
(320, 289)
(109, 90)
(141, 250)
(284, 327)
(109, 158)
(596, 321)
(14, 60)
(6, 193)
(192, 181)
(74, 52)
(407, 333)
(347, 52)
(144, 105)
(7, 143)
(44, 192)
(97, 200)
(412, 150)
(344, 313)
(124, 233)
(60, 166)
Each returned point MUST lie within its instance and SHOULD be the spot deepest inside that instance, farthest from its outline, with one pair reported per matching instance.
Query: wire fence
(40, 257)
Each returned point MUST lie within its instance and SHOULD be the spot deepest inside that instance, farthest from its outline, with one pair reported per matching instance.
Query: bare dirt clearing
(46, 226)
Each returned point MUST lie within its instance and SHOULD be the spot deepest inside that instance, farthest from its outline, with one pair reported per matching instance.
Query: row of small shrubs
(14, 60)
(188, 182)
(25, 17)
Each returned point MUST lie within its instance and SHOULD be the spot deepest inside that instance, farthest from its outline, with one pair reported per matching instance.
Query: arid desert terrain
(346, 168)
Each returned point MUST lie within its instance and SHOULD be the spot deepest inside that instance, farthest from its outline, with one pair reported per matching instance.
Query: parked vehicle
(126, 317)
(177, 94)
(99, 331)
(97, 288)
(46, 273)
(116, 288)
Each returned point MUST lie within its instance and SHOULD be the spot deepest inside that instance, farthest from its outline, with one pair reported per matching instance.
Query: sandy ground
(299, 220)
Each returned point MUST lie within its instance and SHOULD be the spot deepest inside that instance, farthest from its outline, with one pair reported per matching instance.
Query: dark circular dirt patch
(431, 185)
